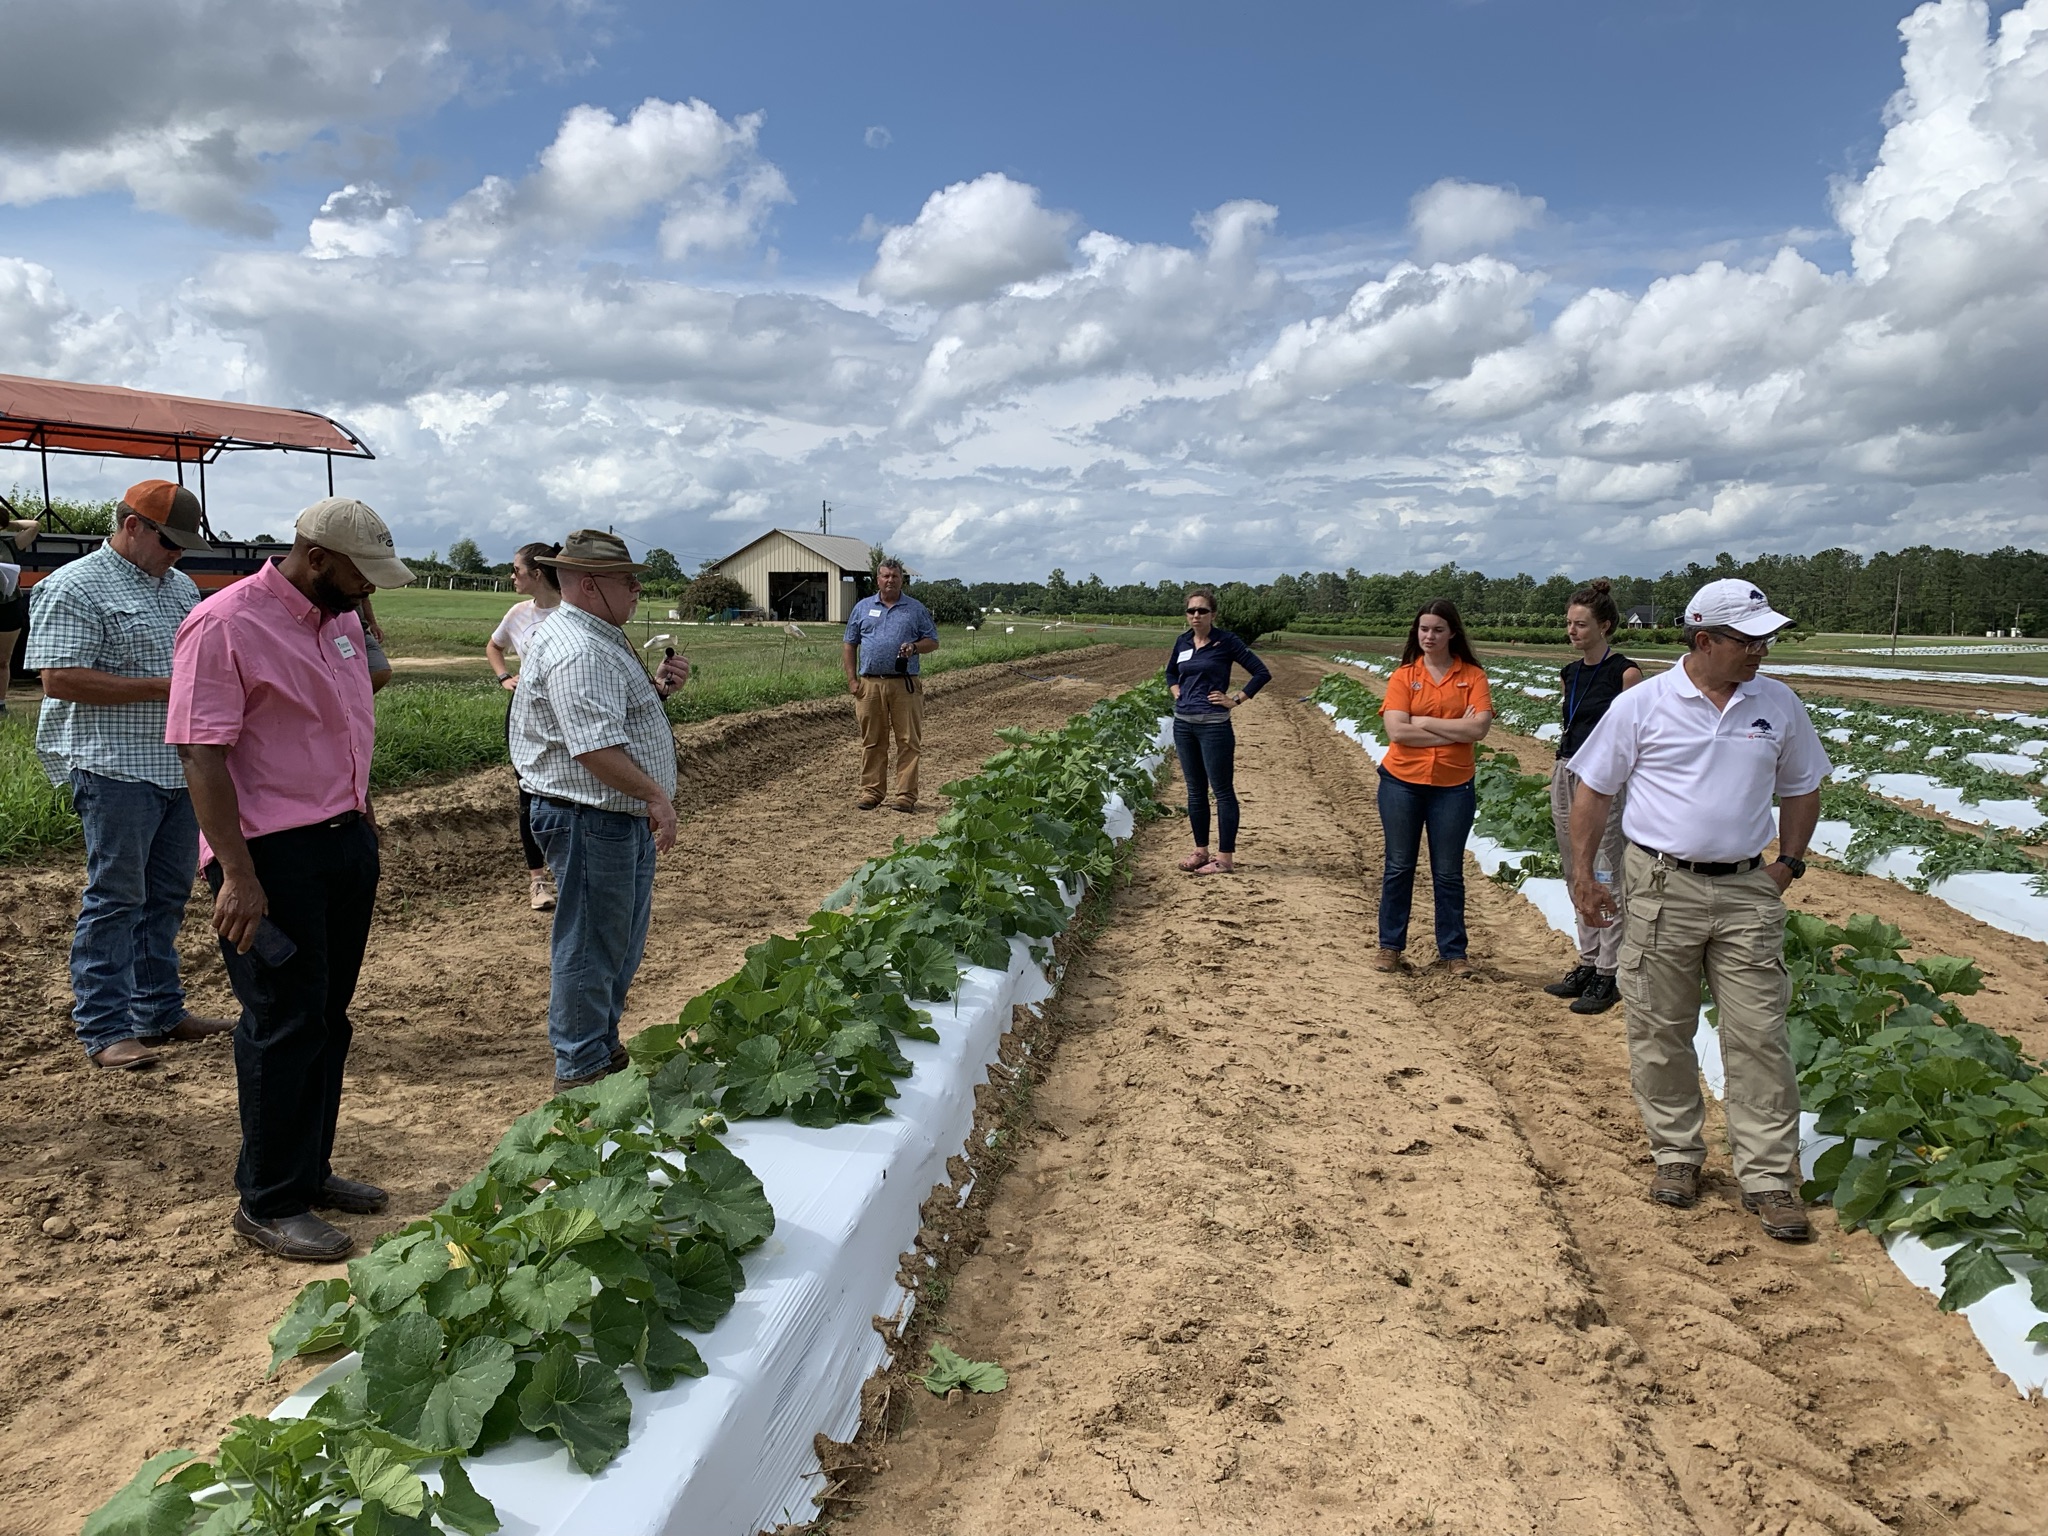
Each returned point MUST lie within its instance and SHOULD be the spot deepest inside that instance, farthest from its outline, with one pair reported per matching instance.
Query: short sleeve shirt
(264, 672)
(881, 629)
(1700, 779)
(582, 689)
(105, 613)
(1412, 690)
(519, 623)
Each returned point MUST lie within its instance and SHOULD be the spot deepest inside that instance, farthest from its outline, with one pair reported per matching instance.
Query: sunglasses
(1750, 643)
(1201, 610)
(161, 538)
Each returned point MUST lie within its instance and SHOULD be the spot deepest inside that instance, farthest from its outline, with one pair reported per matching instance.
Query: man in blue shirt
(885, 635)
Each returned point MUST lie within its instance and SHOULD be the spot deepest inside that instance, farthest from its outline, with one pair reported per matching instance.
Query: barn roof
(848, 554)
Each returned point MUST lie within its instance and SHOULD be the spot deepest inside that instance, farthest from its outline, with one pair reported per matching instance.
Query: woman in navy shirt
(1198, 672)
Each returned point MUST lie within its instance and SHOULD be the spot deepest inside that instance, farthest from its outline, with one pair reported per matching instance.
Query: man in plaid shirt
(100, 632)
(592, 745)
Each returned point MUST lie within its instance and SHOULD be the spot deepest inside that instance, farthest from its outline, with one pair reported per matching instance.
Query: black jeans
(1406, 811)
(294, 1034)
(536, 861)
(1208, 759)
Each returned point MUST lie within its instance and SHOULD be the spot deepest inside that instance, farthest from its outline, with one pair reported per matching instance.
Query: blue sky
(1142, 288)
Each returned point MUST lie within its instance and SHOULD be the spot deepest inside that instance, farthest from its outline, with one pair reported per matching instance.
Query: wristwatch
(1792, 862)
(504, 677)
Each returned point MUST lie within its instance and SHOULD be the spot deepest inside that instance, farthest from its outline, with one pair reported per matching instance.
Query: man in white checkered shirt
(592, 745)
(100, 631)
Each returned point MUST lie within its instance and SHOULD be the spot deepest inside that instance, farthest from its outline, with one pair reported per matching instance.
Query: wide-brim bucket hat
(594, 553)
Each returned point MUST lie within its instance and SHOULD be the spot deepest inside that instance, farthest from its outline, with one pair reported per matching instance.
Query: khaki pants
(887, 708)
(1730, 929)
(1598, 947)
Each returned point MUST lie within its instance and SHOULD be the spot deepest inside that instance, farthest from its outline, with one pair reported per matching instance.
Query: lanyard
(1571, 685)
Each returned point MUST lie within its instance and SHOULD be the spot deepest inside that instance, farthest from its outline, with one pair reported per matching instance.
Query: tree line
(1937, 592)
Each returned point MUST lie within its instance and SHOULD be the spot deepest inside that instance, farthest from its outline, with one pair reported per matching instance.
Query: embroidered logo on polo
(1759, 727)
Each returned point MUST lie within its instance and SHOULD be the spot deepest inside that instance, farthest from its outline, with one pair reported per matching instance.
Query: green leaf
(477, 1373)
(384, 1478)
(400, 1363)
(312, 1325)
(396, 1270)
(667, 1354)
(546, 1298)
(1883, 1124)
(721, 1195)
(375, 1519)
(529, 1147)
(580, 1400)
(148, 1506)
(460, 1505)
(458, 1294)
(617, 1328)
(1864, 1184)
(703, 1286)
(1951, 975)
(950, 1370)
(557, 1227)
(1972, 1272)
(616, 1202)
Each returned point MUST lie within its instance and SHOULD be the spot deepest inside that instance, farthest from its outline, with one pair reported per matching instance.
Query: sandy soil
(1301, 1247)
(143, 1327)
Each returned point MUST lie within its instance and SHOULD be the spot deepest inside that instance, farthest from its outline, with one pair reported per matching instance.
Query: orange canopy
(135, 424)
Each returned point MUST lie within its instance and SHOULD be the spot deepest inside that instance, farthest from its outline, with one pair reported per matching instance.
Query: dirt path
(144, 1328)
(1301, 1247)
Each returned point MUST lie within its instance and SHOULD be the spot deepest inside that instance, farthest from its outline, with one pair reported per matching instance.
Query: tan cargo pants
(884, 709)
(1731, 929)
(1598, 947)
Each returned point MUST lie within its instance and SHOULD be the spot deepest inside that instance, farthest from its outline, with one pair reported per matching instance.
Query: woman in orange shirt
(1437, 705)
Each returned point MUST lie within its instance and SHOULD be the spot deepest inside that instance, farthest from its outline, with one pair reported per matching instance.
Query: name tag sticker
(343, 644)
(874, 613)
(1187, 656)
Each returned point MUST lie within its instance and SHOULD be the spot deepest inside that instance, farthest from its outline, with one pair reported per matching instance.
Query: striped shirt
(582, 689)
(105, 613)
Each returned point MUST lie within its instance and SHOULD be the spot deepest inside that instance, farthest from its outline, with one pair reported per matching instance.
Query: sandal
(1213, 868)
(1196, 860)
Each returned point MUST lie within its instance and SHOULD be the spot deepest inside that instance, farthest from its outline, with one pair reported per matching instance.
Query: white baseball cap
(346, 526)
(1737, 605)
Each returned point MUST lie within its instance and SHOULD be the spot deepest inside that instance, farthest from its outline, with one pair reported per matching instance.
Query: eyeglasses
(1201, 610)
(1751, 643)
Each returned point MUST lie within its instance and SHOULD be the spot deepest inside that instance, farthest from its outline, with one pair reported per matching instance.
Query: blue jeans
(141, 856)
(604, 883)
(1406, 811)
(1208, 759)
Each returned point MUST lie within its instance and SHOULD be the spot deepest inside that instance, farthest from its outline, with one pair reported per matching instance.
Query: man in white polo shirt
(1702, 749)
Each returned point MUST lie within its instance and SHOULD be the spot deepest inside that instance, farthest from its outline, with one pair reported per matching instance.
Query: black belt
(345, 819)
(908, 679)
(567, 805)
(1700, 867)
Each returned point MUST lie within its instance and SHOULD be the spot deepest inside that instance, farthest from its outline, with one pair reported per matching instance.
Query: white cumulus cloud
(969, 241)
(1455, 218)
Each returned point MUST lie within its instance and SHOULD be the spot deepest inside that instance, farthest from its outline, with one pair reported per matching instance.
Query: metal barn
(808, 577)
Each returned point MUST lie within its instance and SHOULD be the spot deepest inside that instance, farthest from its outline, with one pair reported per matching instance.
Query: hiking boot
(1387, 960)
(1574, 982)
(1782, 1212)
(1677, 1184)
(1600, 995)
(1457, 965)
(540, 893)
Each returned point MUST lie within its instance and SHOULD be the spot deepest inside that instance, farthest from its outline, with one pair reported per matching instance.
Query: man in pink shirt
(270, 711)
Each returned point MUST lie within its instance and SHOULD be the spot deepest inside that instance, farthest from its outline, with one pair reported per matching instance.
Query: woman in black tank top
(1590, 684)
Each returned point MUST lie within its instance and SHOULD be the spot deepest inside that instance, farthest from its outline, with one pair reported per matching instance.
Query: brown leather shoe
(195, 1027)
(585, 1079)
(1676, 1184)
(305, 1238)
(125, 1056)
(865, 804)
(1782, 1212)
(906, 806)
(1388, 960)
(1456, 965)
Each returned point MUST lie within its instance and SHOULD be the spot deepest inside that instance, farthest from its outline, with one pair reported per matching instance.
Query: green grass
(34, 813)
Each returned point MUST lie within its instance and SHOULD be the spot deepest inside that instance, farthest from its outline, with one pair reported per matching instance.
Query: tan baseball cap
(347, 527)
(171, 509)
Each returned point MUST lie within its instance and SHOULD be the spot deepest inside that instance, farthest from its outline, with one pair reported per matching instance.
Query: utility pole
(824, 517)
(1898, 591)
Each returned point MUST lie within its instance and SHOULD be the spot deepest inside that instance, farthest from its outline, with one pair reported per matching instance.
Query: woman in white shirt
(543, 595)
